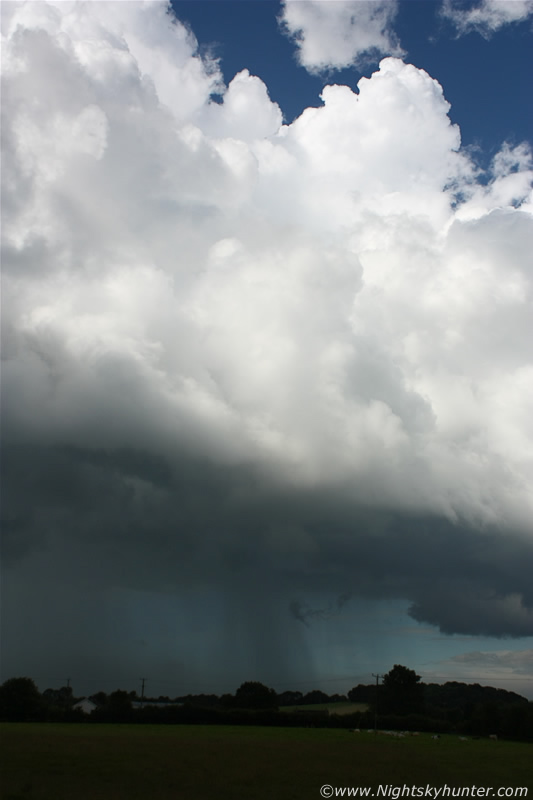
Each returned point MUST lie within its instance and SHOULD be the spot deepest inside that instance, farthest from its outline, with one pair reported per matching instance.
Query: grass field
(121, 762)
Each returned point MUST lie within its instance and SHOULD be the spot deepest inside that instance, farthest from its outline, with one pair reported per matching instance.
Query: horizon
(220, 690)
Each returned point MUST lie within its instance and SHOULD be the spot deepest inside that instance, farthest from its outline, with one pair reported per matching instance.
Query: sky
(267, 372)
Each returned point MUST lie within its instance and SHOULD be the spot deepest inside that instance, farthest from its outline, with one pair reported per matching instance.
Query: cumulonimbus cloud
(230, 341)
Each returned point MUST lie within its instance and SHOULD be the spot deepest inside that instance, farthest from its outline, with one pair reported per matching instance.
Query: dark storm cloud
(304, 614)
(142, 523)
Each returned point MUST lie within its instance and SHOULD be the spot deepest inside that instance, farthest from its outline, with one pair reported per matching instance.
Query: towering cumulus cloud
(237, 352)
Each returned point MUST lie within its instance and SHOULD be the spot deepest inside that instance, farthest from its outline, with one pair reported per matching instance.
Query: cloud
(246, 114)
(519, 662)
(303, 613)
(244, 354)
(488, 16)
(331, 35)
(512, 669)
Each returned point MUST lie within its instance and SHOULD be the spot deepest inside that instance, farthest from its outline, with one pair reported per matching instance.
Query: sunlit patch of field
(168, 762)
(333, 708)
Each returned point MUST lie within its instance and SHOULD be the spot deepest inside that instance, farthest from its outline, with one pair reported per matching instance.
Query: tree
(20, 700)
(60, 698)
(315, 696)
(290, 698)
(119, 706)
(253, 694)
(362, 693)
(401, 691)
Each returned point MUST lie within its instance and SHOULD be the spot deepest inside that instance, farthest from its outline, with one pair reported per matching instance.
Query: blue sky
(267, 368)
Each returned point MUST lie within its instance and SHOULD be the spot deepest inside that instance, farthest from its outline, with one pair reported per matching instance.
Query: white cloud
(337, 303)
(488, 16)
(334, 35)
(246, 112)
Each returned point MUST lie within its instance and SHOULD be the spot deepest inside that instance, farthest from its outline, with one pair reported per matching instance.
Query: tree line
(400, 702)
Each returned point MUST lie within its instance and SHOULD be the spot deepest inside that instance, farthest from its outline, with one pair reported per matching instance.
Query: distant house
(85, 705)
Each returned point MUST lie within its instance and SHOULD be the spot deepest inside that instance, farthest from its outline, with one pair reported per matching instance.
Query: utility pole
(142, 691)
(68, 683)
(377, 677)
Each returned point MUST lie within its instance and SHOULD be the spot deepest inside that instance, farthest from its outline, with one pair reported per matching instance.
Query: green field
(121, 762)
